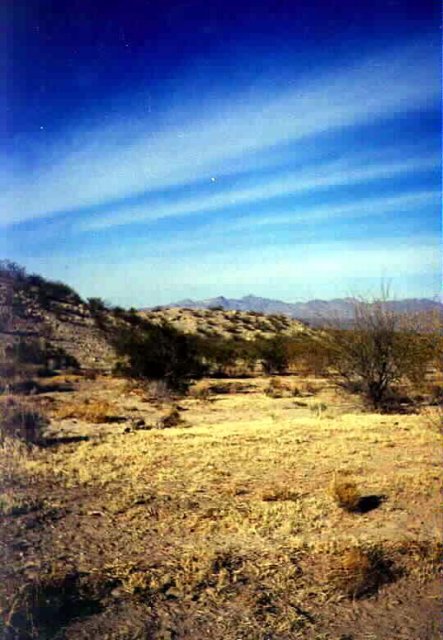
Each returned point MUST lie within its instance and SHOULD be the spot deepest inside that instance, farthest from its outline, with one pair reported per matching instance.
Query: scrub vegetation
(211, 486)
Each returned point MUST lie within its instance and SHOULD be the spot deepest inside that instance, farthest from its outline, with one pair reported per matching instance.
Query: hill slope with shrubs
(43, 322)
(218, 322)
(50, 319)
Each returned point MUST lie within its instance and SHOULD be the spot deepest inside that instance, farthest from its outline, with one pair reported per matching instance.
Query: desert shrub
(28, 351)
(218, 353)
(35, 287)
(97, 306)
(310, 354)
(21, 421)
(382, 348)
(47, 291)
(27, 358)
(10, 270)
(274, 354)
(157, 352)
(222, 356)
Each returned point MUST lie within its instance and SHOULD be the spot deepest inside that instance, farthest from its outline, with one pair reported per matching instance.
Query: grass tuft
(280, 494)
(360, 573)
(345, 492)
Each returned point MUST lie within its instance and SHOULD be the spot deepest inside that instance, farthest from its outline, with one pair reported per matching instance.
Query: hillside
(312, 311)
(53, 314)
(226, 323)
(39, 310)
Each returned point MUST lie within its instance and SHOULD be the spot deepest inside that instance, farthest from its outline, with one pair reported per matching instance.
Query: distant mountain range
(313, 311)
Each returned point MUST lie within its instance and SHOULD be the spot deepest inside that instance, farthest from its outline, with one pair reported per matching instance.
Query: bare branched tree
(382, 348)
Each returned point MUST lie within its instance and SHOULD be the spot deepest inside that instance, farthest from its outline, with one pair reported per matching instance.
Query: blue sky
(156, 151)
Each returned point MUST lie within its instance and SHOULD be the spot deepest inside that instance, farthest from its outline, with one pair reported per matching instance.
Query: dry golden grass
(223, 526)
(93, 411)
(434, 418)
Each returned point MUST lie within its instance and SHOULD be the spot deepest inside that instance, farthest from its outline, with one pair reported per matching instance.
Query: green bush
(157, 352)
(274, 354)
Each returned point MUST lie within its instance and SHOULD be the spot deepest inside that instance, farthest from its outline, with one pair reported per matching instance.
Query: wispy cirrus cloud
(120, 160)
(213, 233)
(326, 176)
(373, 207)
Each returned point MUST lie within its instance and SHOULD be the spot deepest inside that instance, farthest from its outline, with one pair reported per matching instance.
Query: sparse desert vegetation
(278, 504)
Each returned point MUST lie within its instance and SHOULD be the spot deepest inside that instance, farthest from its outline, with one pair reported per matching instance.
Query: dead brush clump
(15, 457)
(359, 573)
(158, 391)
(152, 391)
(318, 408)
(423, 558)
(201, 391)
(93, 411)
(217, 570)
(279, 494)
(19, 419)
(436, 395)
(172, 419)
(278, 389)
(345, 492)
(198, 574)
(223, 388)
(311, 388)
(14, 504)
